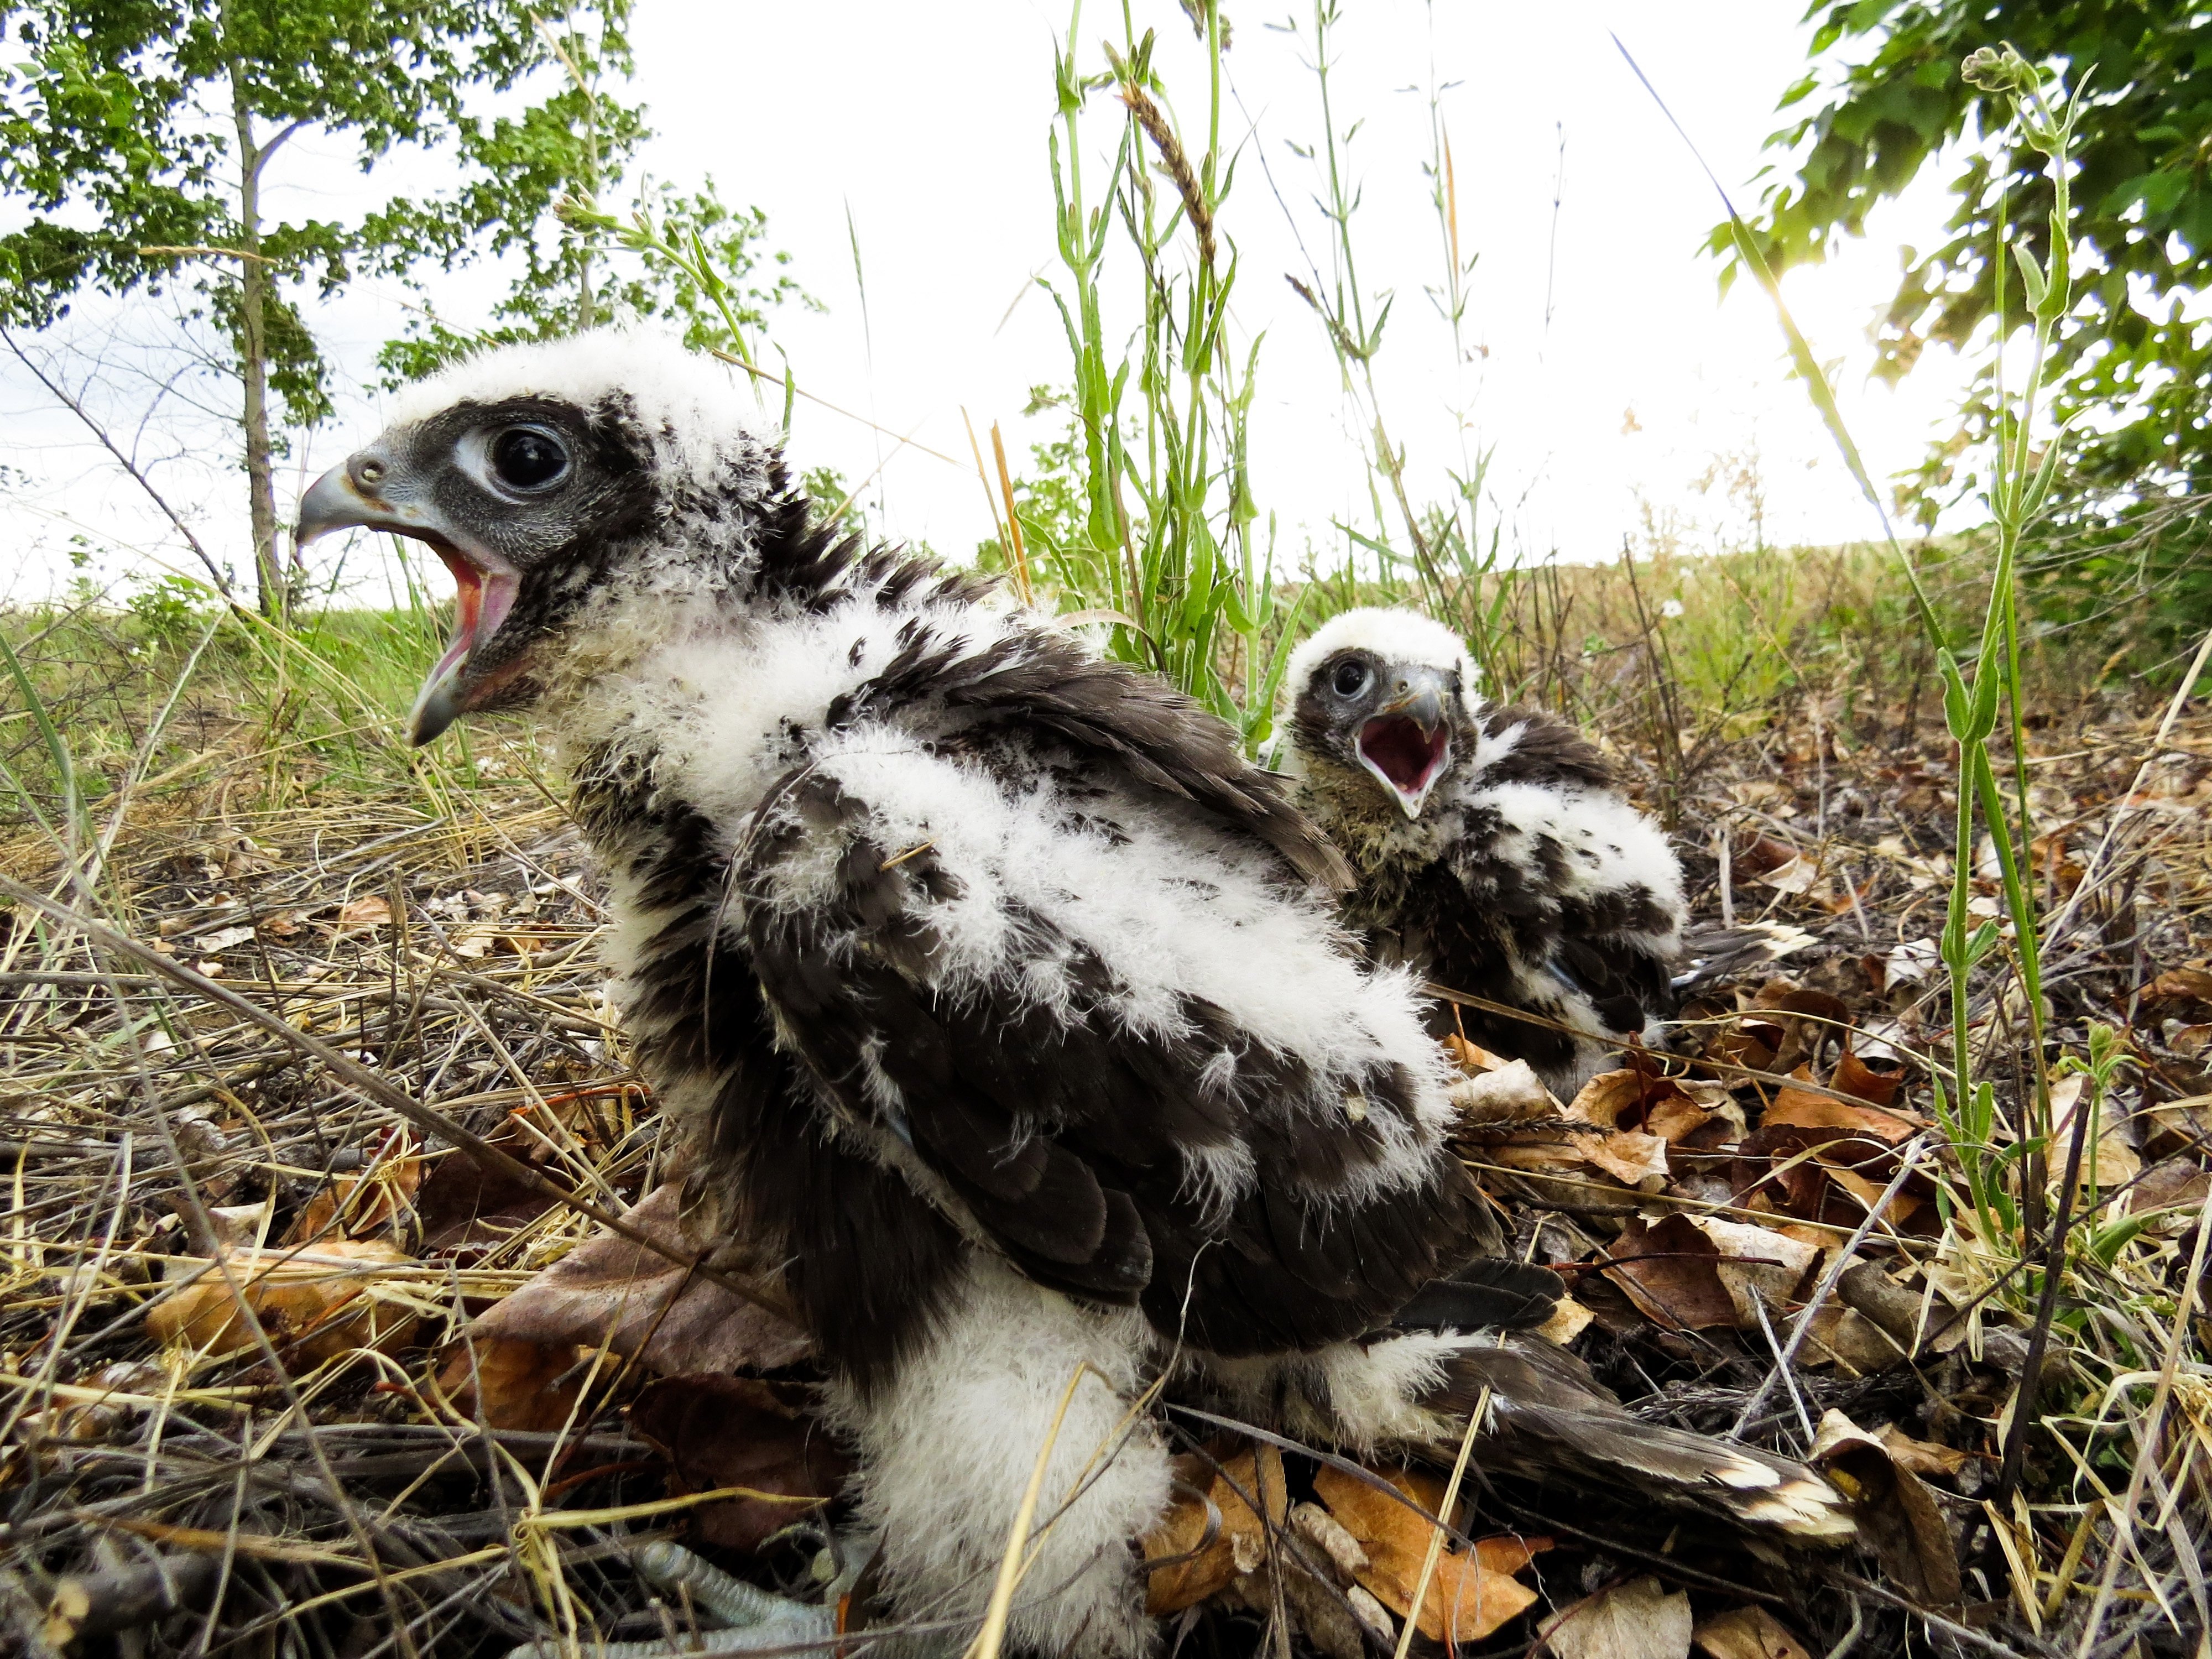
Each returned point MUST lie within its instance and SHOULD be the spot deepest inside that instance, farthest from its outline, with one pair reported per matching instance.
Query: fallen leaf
(1749, 1633)
(2179, 1187)
(1848, 1337)
(1635, 1620)
(313, 1304)
(1911, 962)
(1897, 1513)
(353, 1210)
(1762, 855)
(1797, 876)
(1868, 1078)
(1474, 1590)
(1569, 1320)
(1512, 1093)
(370, 910)
(1669, 1271)
(1239, 1544)
(1472, 1057)
(2180, 984)
(721, 1431)
(1922, 1457)
(504, 1384)
(223, 939)
(1756, 1265)
(609, 1289)
(464, 1206)
(1627, 1157)
(1603, 1099)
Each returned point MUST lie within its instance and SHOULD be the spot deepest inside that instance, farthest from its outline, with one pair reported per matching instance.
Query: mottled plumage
(1493, 850)
(1001, 996)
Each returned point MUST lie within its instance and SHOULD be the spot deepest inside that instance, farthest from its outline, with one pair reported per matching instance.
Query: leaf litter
(458, 1358)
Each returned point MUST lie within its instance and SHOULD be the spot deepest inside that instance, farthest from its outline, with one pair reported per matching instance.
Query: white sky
(928, 122)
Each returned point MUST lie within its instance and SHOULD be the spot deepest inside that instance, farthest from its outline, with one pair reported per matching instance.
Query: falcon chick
(998, 992)
(1494, 850)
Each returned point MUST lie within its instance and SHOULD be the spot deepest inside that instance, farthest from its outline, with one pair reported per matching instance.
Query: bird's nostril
(369, 472)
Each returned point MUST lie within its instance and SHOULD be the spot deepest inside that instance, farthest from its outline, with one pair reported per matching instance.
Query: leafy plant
(1168, 518)
(2126, 509)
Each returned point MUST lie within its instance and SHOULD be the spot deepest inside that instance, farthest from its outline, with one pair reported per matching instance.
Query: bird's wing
(1197, 1174)
(1042, 682)
(1587, 886)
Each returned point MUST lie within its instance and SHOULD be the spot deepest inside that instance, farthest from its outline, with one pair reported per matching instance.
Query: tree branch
(76, 408)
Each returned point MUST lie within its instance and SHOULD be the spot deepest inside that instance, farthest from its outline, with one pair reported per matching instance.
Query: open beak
(486, 586)
(1407, 744)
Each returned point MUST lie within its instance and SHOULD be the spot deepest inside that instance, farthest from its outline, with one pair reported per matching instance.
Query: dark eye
(528, 457)
(1350, 678)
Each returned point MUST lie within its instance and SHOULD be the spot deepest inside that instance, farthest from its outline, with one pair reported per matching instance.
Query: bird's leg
(753, 1619)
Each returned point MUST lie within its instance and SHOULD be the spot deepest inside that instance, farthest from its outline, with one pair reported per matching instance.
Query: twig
(361, 1079)
(215, 571)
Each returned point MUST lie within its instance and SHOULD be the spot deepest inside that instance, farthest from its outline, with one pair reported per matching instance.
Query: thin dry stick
(1444, 1517)
(360, 1078)
(1827, 1287)
(2123, 1516)
(993, 1633)
(1013, 522)
(983, 476)
(2056, 931)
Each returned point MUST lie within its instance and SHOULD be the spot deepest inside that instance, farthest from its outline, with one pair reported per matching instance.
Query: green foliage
(170, 609)
(537, 178)
(1167, 515)
(128, 133)
(2132, 372)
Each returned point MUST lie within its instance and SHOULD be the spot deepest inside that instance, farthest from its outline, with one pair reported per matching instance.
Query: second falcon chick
(1494, 850)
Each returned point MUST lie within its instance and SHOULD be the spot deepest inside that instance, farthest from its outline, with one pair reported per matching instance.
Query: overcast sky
(1608, 374)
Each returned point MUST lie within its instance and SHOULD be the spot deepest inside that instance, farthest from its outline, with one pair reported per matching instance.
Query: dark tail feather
(1550, 1418)
(1712, 954)
(1487, 1293)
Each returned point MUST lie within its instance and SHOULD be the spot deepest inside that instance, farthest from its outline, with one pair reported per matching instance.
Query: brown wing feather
(1063, 1134)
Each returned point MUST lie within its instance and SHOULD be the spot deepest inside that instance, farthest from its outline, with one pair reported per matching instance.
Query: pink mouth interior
(480, 604)
(1401, 751)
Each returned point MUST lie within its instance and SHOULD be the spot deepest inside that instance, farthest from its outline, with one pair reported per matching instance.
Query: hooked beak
(486, 585)
(1405, 744)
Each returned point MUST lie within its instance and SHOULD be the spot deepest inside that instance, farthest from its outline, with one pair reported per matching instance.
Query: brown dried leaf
(1474, 1590)
(1512, 1093)
(1569, 1320)
(1897, 1513)
(1472, 1057)
(1635, 1620)
(371, 910)
(1800, 1108)
(1853, 1340)
(1873, 1079)
(1756, 1264)
(314, 1304)
(741, 1431)
(2180, 984)
(505, 1385)
(1240, 1544)
(1603, 1099)
(1922, 1457)
(1627, 1157)
(609, 1289)
(1749, 1633)
(2179, 1186)
(352, 1210)
(1669, 1271)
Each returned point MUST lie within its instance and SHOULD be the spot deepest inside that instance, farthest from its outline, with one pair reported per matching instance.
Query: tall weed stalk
(1167, 533)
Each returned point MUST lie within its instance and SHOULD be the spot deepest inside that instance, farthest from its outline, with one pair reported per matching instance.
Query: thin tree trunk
(253, 359)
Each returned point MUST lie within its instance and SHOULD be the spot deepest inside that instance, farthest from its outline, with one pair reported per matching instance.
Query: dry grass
(335, 1483)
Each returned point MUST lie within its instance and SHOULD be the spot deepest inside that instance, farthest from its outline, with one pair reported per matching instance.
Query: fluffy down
(1003, 998)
